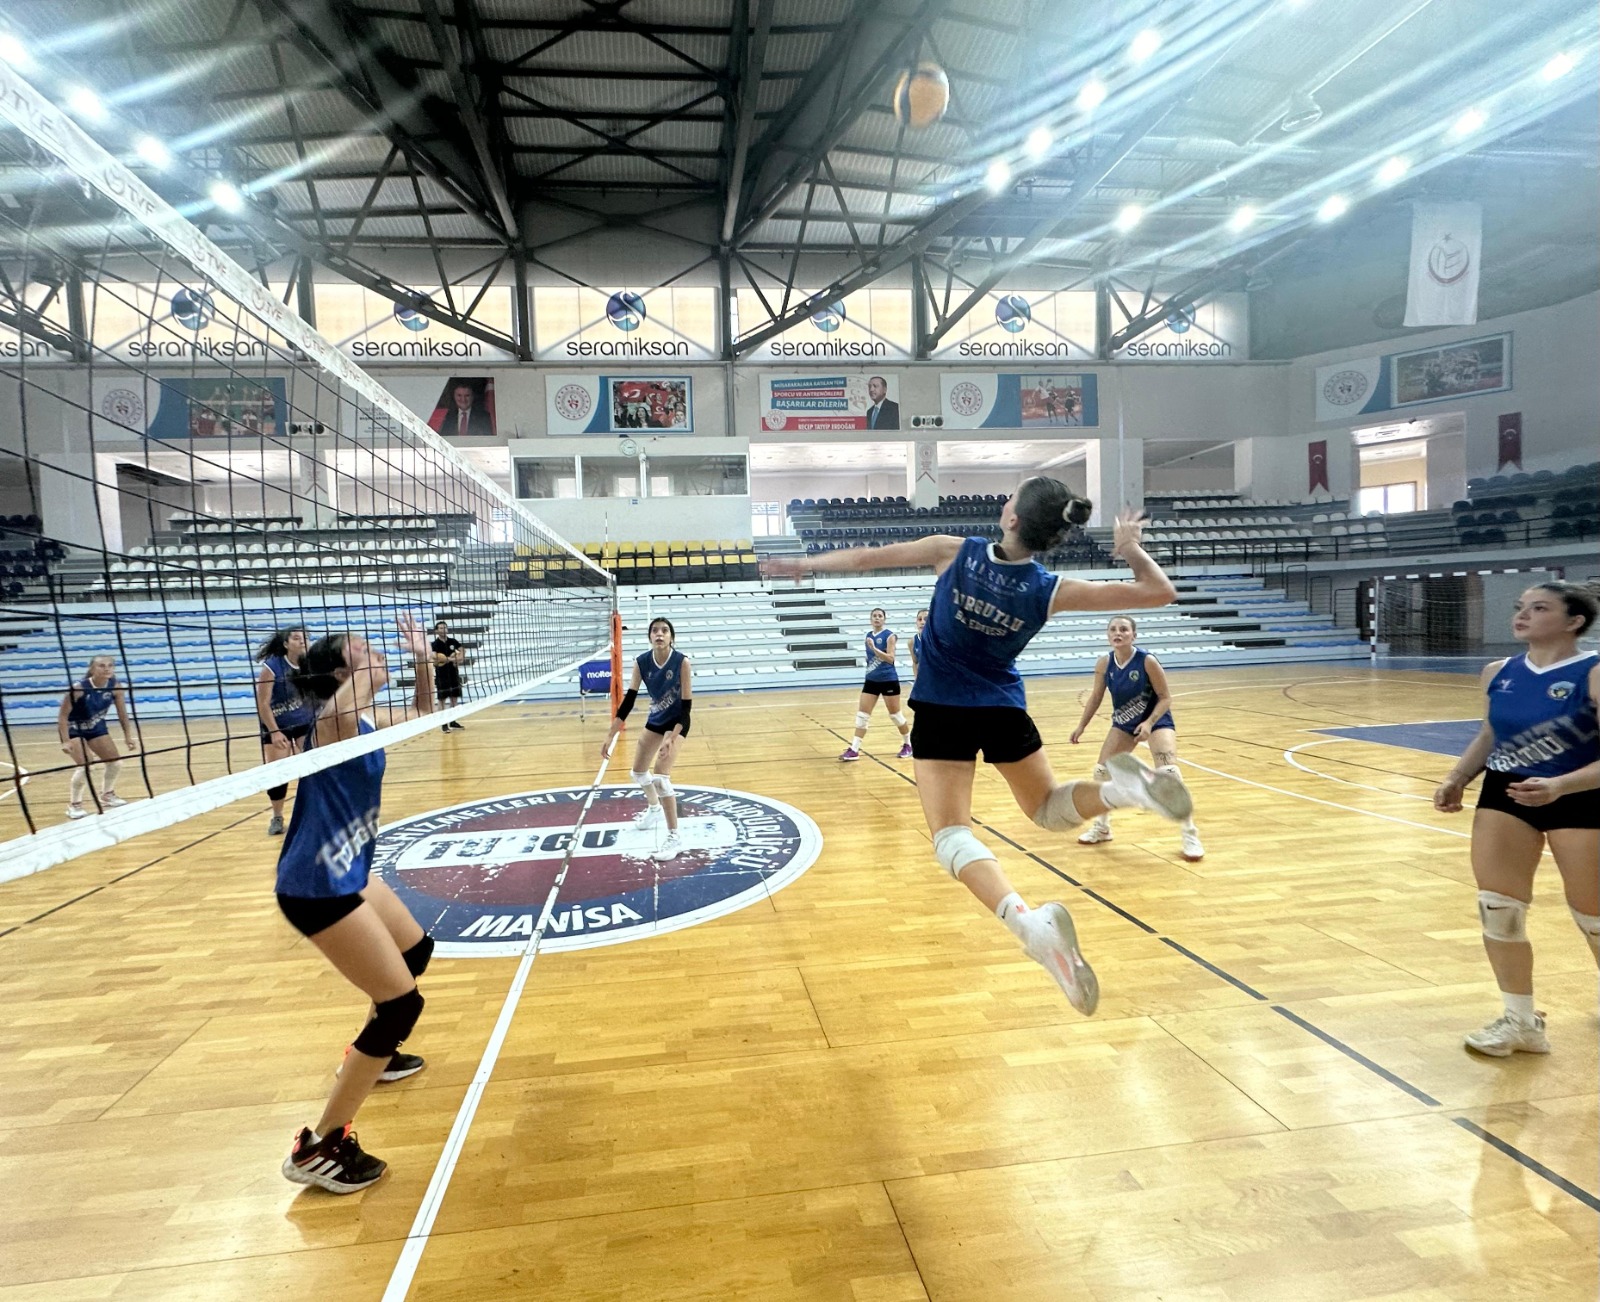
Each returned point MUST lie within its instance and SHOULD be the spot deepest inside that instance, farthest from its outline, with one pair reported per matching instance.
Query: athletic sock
(1011, 911)
(853, 744)
(1520, 1007)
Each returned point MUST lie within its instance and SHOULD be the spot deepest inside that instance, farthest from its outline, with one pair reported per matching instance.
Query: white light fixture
(1039, 142)
(1558, 67)
(1393, 169)
(226, 196)
(1093, 95)
(86, 104)
(997, 176)
(1130, 216)
(1468, 122)
(1144, 45)
(14, 52)
(1243, 218)
(152, 151)
(1333, 207)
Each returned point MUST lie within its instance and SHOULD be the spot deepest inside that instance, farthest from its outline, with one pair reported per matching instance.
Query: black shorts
(293, 734)
(309, 915)
(667, 725)
(1578, 809)
(1003, 733)
(447, 681)
(881, 687)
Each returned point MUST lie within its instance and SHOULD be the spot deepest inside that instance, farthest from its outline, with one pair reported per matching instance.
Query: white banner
(1350, 388)
(1446, 248)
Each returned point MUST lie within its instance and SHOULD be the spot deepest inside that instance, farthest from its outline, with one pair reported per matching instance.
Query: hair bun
(1078, 510)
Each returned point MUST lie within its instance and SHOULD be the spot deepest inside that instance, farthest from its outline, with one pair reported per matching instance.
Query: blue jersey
(86, 717)
(983, 614)
(328, 850)
(881, 671)
(1132, 696)
(916, 649)
(664, 683)
(289, 708)
(1543, 720)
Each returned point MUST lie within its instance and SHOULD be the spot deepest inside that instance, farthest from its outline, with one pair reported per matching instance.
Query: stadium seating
(634, 563)
(834, 524)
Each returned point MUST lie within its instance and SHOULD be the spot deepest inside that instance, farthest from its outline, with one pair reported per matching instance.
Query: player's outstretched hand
(411, 637)
(785, 567)
(1447, 796)
(1128, 530)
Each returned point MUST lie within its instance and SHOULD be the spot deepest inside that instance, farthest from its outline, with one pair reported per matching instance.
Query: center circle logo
(573, 401)
(625, 310)
(1344, 388)
(193, 308)
(410, 317)
(829, 319)
(477, 875)
(966, 398)
(1012, 313)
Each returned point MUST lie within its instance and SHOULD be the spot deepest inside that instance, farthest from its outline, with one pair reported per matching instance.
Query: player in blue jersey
(284, 715)
(85, 738)
(883, 681)
(663, 671)
(1539, 752)
(989, 601)
(916, 642)
(326, 892)
(1140, 711)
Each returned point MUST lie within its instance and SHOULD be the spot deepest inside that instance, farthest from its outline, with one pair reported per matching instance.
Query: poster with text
(1029, 400)
(861, 401)
(614, 404)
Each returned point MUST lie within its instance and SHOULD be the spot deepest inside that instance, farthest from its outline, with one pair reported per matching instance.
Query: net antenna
(187, 467)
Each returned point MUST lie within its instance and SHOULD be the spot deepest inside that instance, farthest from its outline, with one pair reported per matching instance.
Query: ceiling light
(86, 104)
(1092, 96)
(1144, 45)
(1039, 142)
(226, 196)
(1468, 122)
(14, 51)
(1392, 170)
(1130, 216)
(1556, 69)
(997, 176)
(1243, 217)
(1333, 207)
(152, 151)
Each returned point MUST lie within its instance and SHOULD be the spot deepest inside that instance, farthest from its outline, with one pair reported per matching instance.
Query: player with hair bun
(989, 600)
(663, 671)
(882, 682)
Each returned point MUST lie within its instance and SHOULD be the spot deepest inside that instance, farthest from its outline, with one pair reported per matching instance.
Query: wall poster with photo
(1461, 370)
(465, 408)
(650, 402)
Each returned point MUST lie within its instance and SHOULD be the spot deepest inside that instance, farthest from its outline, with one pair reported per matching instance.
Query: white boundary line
(23, 776)
(405, 1269)
(1316, 773)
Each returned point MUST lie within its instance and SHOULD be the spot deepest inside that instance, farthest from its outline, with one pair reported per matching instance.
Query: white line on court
(405, 1268)
(1317, 773)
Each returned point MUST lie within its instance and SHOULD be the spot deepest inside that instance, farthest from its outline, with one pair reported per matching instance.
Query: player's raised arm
(935, 551)
(1149, 587)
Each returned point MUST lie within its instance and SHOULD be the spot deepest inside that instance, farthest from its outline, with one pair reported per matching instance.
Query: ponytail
(316, 677)
(1047, 510)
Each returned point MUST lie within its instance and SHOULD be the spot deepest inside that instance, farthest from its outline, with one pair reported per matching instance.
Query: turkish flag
(1510, 441)
(1317, 464)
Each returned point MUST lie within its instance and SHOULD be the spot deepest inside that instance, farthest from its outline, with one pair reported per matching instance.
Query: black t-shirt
(445, 646)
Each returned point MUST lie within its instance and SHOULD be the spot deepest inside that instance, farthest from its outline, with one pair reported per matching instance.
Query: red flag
(1317, 458)
(1510, 441)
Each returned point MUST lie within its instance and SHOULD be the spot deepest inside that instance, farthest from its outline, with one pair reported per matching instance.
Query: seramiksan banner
(676, 323)
(1213, 330)
(870, 324)
(1018, 325)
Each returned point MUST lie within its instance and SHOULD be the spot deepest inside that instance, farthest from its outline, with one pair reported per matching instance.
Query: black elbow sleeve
(685, 707)
(628, 698)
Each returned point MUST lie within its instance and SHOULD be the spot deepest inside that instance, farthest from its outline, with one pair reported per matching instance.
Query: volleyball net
(186, 467)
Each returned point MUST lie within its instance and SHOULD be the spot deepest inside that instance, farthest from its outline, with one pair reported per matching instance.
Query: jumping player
(326, 892)
(285, 716)
(883, 681)
(663, 671)
(1540, 745)
(1140, 711)
(81, 725)
(989, 601)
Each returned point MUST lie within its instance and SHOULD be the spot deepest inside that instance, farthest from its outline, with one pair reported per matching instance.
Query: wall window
(766, 519)
(546, 477)
(1391, 499)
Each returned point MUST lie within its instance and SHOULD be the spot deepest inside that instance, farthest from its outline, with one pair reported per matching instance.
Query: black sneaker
(445, 728)
(456, 726)
(402, 1065)
(336, 1162)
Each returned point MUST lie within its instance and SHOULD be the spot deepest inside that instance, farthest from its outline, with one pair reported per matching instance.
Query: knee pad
(644, 781)
(1101, 773)
(664, 787)
(956, 847)
(1058, 812)
(862, 720)
(1504, 918)
(113, 767)
(898, 719)
(390, 1024)
(1589, 925)
(418, 955)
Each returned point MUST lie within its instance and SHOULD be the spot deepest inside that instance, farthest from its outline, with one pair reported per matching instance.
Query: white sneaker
(77, 811)
(647, 818)
(111, 800)
(671, 848)
(1507, 1035)
(1139, 785)
(1050, 940)
(1193, 851)
(1098, 833)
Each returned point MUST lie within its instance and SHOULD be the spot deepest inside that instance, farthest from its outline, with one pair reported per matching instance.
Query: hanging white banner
(1446, 248)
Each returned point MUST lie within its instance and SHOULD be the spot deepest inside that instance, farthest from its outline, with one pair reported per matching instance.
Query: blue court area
(1445, 737)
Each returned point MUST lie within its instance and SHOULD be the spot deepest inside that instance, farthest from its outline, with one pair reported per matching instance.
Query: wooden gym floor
(857, 1088)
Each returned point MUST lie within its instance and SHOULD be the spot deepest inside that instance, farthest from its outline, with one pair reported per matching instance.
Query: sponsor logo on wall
(1026, 400)
(1361, 386)
(613, 404)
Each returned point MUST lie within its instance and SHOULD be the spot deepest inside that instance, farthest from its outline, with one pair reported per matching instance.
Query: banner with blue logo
(1017, 325)
(1031, 400)
(619, 404)
(1362, 386)
(192, 408)
(576, 321)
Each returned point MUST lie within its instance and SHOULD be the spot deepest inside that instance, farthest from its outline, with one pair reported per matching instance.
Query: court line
(1383, 1073)
(405, 1268)
(1305, 745)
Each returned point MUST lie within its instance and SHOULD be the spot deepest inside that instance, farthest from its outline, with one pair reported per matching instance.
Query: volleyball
(921, 95)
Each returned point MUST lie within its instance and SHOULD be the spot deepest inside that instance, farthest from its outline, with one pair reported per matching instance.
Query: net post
(616, 656)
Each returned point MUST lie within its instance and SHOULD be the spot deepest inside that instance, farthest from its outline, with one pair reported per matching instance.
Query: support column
(1114, 474)
(922, 472)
